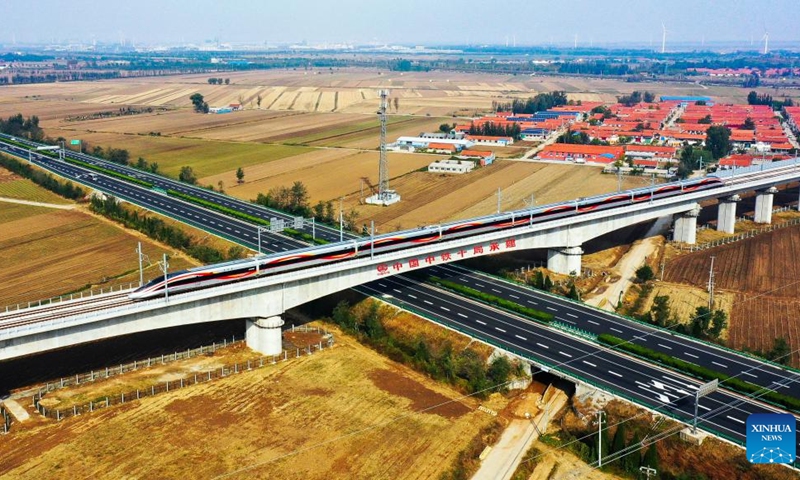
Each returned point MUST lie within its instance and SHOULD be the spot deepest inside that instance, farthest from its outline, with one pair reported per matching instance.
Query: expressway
(537, 342)
(594, 321)
(321, 231)
(657, 388)
(568, 313)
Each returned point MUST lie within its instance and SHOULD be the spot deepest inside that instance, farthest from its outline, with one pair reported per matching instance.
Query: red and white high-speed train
(212, 275)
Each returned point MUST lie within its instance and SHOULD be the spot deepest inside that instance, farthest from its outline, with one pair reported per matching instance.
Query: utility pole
(341, 219)
(711, 285)
(165, 266)
(619, 179)
(372, 239)
(141, 270)
(649, 472)
(600, 438)
(499, 199)
(662, 271)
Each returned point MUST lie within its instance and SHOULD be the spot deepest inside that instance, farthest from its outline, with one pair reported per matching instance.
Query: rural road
(627, 265)
(517, 438)
(37, 204)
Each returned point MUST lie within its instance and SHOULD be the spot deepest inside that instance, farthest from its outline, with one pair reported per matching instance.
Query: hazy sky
(532, 22)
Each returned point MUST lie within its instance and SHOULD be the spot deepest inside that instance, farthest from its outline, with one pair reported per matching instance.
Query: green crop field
(24, 189)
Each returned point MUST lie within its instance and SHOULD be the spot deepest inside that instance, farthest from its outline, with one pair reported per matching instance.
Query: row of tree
(219, 81)
(157, 229)
(45, 180)
(464, 368)
(636, 97)
(540, 102)
(18, 126)
(754, 98)
(295, 200)
(492, 129)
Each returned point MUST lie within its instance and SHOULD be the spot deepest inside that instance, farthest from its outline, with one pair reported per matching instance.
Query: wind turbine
(766, 42)
(663, 38)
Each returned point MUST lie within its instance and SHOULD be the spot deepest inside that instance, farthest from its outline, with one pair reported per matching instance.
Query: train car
(212, 275)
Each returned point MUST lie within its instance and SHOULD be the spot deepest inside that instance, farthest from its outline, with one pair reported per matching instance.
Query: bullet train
(213, 275)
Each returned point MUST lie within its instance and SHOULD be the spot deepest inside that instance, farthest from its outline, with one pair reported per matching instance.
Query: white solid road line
(521, 338)
(542, 345)
(719, 364)
(736, 419)
(615, 374)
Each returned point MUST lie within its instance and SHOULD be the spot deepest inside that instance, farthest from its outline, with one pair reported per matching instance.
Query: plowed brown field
(347, 412)
(763, 273)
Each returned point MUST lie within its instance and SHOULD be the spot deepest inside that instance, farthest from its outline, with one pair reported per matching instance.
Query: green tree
(573, 292)
(373, 326)
(236, 252)
(644, 273)
(200, 106)
(343, 316)
(780, 351)
(141, 163)
(212, 81)
(660, 311)
(227, 81)
(705, 120)
(651, 457)
(539, 280)
(547, 284)
(258, 100)
(499, 371)
(719, 320)
(187, 175)
(698, 325)
(298, 198)
(618, 443)
(630, 462)
(240, 175)
(445, 128)
(718, 141)
(748, 124)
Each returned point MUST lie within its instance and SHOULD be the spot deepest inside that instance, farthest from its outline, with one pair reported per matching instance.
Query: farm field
(51, 252)
(762, 273)
(12, 186)
(328, 173)
(428, 198)
(205, 157)
(322, 416)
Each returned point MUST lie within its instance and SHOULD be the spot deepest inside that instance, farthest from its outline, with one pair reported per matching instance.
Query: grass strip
(306, 237)
(493, 300)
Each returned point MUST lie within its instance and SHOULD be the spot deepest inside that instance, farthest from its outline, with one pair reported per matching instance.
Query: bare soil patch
(420, 396)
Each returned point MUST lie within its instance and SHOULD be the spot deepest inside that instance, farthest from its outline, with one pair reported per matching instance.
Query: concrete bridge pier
(686, 226)
(264, 335)
(764, 200)
(564, 260)
(726, 219)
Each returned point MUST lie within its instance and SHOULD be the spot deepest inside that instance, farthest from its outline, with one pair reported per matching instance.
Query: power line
(600, 348)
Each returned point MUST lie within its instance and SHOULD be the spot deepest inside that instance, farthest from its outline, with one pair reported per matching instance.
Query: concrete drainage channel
(11, 411)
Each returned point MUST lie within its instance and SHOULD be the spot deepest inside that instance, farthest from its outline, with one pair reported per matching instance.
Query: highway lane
(159, 202)
(566, 312)
(320, 230)
(724, 412)
(597, 321)
(209, 220)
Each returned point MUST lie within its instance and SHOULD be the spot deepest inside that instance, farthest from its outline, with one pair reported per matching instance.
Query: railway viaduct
(45, 328)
